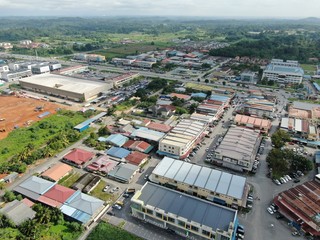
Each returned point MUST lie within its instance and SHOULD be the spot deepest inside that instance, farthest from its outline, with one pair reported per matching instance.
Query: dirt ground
(20, 111)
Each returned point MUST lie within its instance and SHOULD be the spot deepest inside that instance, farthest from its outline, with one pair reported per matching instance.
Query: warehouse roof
(64, 83)
(239, 143)
(90, 120)
(57, 171)
(117, 139)
(202, 177)
(118, 152)
(182, 205)
(148, 134)
(18, 211)
(220, 98)
(304, 105)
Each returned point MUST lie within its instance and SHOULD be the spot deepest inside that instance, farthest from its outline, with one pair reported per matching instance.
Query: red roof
(78, 156)
(59, 193)
(159, 127)
(140, 146)
(136, 157)
(28, 202)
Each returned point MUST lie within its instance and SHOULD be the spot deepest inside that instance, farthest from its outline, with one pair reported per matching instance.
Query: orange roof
(159, 127)
(57, 171)
(181, 96)
(136, 157)
(3, 175)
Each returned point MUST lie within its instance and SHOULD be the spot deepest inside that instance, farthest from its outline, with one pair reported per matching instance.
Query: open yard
(70, 179)
(20, 112)
(106, 231)
(309, 68)
(99, 193)
(198, 86)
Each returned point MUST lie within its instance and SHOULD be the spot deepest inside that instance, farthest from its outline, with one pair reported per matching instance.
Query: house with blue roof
(198, 95)
(116, 140)
(118, 152)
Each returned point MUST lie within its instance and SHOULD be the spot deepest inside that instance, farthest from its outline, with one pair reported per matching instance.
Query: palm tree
(47, 152)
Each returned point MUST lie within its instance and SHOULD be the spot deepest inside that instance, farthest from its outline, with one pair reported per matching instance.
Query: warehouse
(64, 87)
(238, 149)
(211, 184)
(186, 215)
(182, 138)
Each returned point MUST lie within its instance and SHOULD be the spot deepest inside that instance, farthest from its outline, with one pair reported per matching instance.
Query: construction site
(22, 110)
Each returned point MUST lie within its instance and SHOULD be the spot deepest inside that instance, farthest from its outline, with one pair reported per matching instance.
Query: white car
(290, 179)
(270, 210)
(276, 181)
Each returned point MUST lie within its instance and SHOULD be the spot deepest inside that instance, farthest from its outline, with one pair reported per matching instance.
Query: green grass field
(58, 232)
(199, 87)
(105, 231)
(309, 68)
(18, 139)
(99, 193)
(69, 180)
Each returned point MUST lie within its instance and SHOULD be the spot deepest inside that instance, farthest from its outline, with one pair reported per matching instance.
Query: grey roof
(123, 171)
(84, 202)
(305, 106)
(186, 206)
(27, 193)
(37, 185)
(202, 177)
(18, 212)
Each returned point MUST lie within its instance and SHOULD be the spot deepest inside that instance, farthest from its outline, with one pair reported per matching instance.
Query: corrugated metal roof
(37, 185)
(202, 177)
(117, 139)
(118, 152)
(186, 206)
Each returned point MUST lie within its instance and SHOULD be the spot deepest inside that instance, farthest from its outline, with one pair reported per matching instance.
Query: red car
(291, 143)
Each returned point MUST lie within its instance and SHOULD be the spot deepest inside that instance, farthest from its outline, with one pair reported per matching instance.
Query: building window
(235, 200)
(194, 228)
(149, 211)
(206, 233)
(188, 226)
(181, 223)
(158, 215)
(170, 219)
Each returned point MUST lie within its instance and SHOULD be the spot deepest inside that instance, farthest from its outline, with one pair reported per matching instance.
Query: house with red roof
(78, 157)
(140, 146)
(56, 196)
(159, 127)
(137, 158)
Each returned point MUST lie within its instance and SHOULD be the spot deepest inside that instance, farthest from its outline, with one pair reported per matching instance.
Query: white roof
(202, 177)
(64, 83)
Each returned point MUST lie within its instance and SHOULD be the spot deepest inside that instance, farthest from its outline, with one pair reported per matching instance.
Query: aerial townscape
(157, 126)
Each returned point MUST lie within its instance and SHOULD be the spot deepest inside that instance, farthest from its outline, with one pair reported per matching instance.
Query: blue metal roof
(316, 85)
(91, 120)
(118, 152)
(200, 95)
(317, 156)
(219, 98)
(117, 139)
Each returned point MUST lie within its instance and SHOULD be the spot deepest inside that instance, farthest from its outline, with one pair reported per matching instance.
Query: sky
(205, 8)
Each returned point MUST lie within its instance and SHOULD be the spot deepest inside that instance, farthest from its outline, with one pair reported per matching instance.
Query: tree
(198, 79)
(29, 228)
(279, 138)
(103, 131)
(9, 196)
(224, 83)
(206, 80)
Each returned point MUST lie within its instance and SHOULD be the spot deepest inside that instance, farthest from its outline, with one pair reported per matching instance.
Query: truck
(130, 190)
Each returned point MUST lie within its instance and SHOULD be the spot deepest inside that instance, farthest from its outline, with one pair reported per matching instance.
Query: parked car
(270, 210)
(106, 188)
(296, 180)
(116, 206)
(276, 181)
(111, 213)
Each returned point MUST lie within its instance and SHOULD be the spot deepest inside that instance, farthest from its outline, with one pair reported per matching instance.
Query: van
(131, 191)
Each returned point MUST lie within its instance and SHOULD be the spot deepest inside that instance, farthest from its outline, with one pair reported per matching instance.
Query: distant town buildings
(288, 72)
(89, 57)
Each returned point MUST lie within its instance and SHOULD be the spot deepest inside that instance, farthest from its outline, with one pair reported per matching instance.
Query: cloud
(250, 8)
